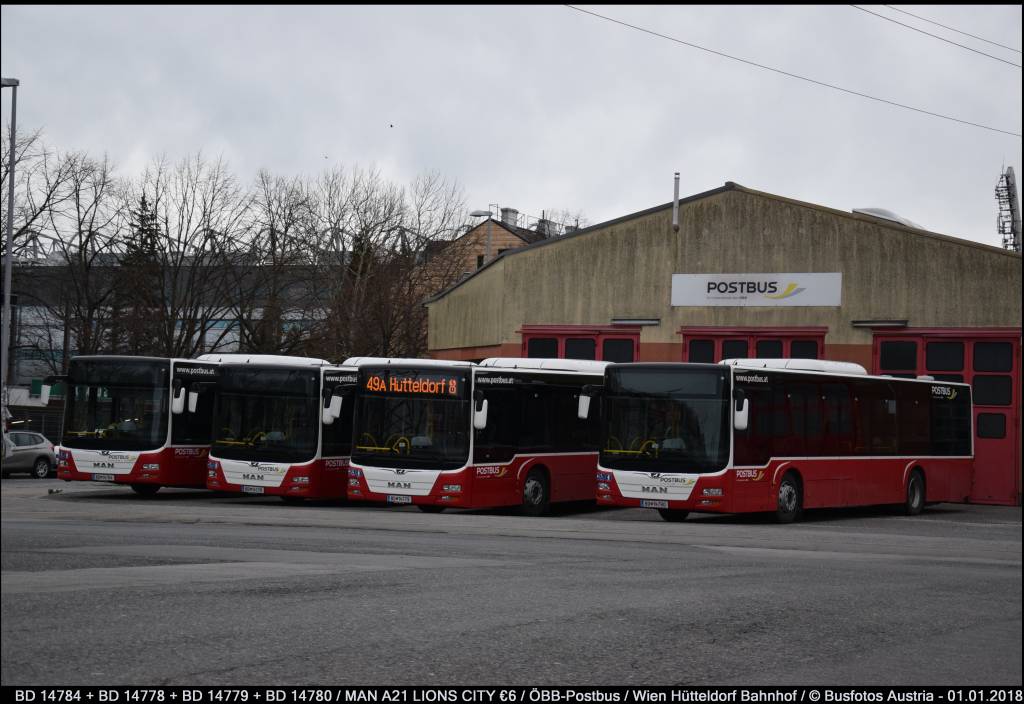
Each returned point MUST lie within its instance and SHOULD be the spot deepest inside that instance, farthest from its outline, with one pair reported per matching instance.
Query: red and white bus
(282, 427)
(778, 435)
(126, 421)
(502, 433)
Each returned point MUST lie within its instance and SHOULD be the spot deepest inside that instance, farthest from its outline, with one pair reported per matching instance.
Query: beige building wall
(623, 269)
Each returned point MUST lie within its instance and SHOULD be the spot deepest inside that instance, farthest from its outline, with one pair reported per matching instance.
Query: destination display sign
(409, 382)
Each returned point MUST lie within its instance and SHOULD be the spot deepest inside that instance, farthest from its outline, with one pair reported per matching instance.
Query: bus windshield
(116, 404)
(268, 414)
(412, 418)
(664, 419)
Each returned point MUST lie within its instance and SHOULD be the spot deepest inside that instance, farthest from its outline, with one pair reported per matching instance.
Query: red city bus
(126, 421)
(282, 427)
(502, 433)
(778, 435)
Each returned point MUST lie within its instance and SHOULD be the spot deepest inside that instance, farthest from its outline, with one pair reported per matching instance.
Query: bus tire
(145, 489)
(430, 508)
(673, 515)
(536, 493)
(790, 499)
(914, 502)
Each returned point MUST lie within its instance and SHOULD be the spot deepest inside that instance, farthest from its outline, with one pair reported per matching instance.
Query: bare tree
(82, 224)
(201, 213)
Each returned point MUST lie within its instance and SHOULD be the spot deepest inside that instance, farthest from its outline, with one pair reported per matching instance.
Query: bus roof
(565, 365)
(807, 365)
(266, 359)
(405, 362)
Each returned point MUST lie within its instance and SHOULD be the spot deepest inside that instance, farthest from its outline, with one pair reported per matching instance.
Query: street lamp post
(11, 83)
(487, 214)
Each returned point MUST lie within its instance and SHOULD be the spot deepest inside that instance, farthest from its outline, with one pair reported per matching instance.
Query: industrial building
(743, 273)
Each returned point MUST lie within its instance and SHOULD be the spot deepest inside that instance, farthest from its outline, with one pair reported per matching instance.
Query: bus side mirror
(44, 393)
(480, 415)
(332, 410)
(741, 417)
(193, 401)
(178, 398)
(583, 411)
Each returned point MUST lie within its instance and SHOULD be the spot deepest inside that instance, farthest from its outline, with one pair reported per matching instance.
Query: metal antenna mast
(1008, 220)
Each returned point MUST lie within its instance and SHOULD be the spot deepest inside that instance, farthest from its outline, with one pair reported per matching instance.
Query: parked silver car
(28, 452)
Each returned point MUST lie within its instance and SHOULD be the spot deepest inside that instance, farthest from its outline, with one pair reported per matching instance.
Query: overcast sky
(540, 107)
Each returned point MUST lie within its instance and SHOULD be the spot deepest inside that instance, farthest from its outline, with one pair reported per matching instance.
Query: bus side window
(838, 435)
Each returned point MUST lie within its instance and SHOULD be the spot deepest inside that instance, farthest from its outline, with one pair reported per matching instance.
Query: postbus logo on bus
(944, 392)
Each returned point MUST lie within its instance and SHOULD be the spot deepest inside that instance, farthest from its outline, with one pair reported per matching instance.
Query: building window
(803, 349)
(993, 356)
(898, 356)
(769, 349)
(993, 390)
(479, 260)
(544, 347)
(702, 352)
(735, 349)
(991, 425)
(944, 356)
(616, 350)
(580, 348)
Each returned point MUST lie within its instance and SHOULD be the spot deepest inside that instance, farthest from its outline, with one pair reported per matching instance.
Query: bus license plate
(653, 503)
(252, 490)
(103, 477)
(397, 499)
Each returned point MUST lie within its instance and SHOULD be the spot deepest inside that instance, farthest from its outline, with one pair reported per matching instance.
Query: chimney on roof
(545, 227)
(510, 217)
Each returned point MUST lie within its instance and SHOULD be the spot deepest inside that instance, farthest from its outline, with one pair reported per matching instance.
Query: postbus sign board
(784, 289)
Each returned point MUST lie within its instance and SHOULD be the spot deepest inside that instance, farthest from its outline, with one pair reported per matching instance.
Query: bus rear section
(769, 435)
(282, 427)
(137, 421)
(502, 433)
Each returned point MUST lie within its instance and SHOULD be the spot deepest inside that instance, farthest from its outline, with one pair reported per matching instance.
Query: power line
(953, 29)
(936, 36)
(794, 75)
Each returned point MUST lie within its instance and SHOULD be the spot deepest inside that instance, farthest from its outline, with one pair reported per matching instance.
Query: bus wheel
(429, 508)
(673, 515)
(790, 501)
(145, 489)
(915, 494)
(536, 494)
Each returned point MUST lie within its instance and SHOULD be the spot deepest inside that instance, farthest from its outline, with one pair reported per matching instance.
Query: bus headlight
(453, 487)
(603, 486)
(353, 481)
(714, 491)
(300, 480)
(354, 472)
(152, 466)
(604, 477)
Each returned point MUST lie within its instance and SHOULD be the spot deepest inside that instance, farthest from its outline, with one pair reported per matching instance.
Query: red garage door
(989, 360)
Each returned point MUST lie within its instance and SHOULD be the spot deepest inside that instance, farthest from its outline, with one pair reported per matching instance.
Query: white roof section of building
(405, 361)
(270, 359)
(564, 365)
(809, 365)
(890, 216)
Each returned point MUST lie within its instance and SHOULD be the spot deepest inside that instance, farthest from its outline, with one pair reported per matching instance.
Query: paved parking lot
(101, 586)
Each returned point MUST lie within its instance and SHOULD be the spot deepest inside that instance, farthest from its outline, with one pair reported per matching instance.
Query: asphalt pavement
(103, 587)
